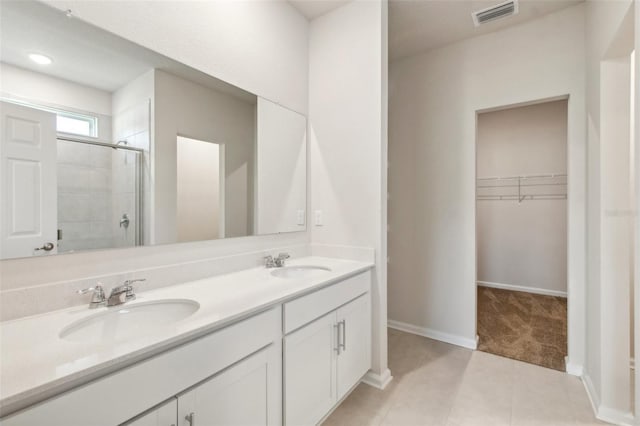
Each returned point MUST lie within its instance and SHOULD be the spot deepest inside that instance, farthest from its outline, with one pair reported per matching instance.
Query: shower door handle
(124, 221)
(45, 247)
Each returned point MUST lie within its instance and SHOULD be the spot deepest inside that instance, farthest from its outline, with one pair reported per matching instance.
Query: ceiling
(83, 53)
(311, 9)
(93, 57)
(416, 26)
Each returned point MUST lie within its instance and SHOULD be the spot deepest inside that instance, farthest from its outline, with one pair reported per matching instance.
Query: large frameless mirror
(107, 144)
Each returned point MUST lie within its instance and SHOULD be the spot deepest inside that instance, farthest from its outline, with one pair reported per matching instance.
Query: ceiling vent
(492, 13)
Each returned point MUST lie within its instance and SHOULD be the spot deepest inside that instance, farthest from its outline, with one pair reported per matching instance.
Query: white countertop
(35, 363)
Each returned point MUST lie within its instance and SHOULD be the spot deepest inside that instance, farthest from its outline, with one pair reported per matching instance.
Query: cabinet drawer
(307, 308)
(158, 378)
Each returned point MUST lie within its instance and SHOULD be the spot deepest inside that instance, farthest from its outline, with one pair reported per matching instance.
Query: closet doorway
(521, 226)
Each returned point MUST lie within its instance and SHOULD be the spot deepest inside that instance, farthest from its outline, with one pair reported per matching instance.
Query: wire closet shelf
(520, 188)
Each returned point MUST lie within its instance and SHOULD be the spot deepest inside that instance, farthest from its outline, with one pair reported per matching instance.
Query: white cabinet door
(247, 393)
(165, 415)
(354, 339)
(28, 189)
(310, 371)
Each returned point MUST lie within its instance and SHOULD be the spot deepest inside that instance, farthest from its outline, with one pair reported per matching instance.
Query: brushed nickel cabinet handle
(344, 335)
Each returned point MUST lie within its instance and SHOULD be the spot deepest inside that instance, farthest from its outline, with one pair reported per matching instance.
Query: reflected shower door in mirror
(106, 144)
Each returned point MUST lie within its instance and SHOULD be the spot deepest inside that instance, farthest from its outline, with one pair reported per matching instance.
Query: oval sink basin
(298, 271)
(127, 321)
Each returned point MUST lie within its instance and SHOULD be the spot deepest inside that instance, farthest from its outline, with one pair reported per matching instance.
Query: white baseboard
(453, 339)
(605, 414)
(378, 381)
(573, 369)
(615, 417)
(591, 392)
(513, 287)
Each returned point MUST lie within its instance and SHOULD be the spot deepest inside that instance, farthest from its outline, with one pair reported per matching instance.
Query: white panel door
(248, 393)
(310, 371)
(165, 415)
(28, 189)
(354, 339)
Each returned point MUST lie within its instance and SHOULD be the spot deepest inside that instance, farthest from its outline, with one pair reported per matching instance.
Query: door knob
(45, 247)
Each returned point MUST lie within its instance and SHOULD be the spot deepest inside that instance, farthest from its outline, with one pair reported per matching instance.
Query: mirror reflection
(106, 144)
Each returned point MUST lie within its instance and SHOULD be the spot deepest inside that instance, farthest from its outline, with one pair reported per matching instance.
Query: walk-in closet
(521, 222)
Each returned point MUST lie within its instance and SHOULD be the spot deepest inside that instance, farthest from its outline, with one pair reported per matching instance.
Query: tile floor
(439, 384)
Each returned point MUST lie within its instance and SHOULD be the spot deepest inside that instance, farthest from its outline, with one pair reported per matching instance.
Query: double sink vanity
(119, 149)
(262, 346)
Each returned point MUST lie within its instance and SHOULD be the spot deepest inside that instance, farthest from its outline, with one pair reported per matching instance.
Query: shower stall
(99, 194)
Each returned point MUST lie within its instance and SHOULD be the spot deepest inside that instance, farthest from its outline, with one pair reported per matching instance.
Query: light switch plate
(300, 216)
(318, 217)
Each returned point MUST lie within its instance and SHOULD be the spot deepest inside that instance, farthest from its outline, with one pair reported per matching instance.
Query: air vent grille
(501, 10)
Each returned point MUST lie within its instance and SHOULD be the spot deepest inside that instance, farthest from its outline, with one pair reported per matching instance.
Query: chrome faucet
(269, 262)
(123, 293)
(98, 299)
(278, 262)
(280, 259)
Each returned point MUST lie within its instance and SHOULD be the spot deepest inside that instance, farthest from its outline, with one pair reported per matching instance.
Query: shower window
(76, 124)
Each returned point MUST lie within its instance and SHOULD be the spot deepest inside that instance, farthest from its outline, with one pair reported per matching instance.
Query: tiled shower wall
(84, 196)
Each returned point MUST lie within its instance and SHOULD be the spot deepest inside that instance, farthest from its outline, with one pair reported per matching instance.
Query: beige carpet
(523, 326)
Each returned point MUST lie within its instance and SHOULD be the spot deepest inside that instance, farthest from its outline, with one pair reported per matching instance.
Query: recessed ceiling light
(40, 59)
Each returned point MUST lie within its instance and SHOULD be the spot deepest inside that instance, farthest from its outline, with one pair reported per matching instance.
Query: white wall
(347, 121)
(259, 46)
(636, 184)
(41, 89)
(188, 109)
(198, 188)
(609, 35)
(434, 98)
(51, 91)
(523, 245)
(281, 169)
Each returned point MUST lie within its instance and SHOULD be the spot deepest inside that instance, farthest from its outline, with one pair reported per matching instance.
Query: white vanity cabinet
(354, 359)
(310, 371)
(325, 358)
(288, 364)
(246, 394)
(212, 367)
